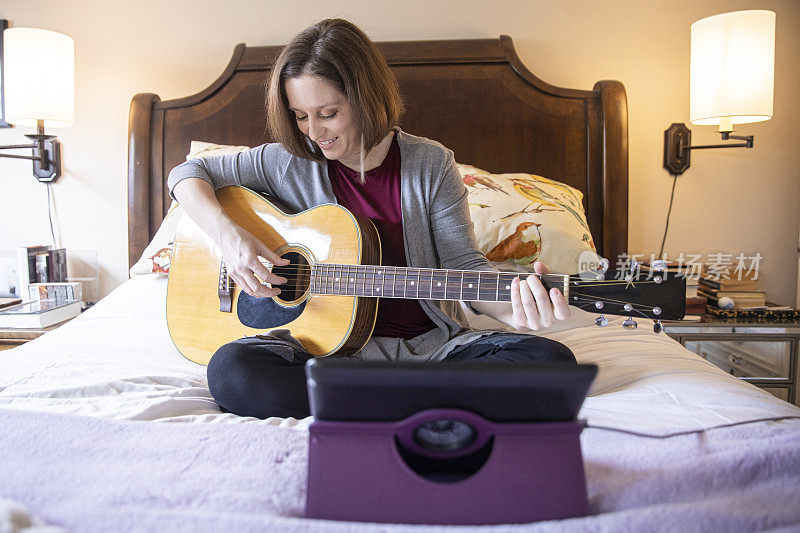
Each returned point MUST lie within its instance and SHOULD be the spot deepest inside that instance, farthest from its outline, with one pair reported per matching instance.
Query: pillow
(522, 218)
(157, 255)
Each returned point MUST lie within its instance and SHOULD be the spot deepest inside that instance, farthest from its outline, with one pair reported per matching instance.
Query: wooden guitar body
(324, 324)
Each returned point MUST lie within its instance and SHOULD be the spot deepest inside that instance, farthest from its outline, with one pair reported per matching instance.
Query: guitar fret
(335, 280)
(424, 283)
(438, 287)
(349, 290)
(486, 292)
(504, 293)
(469, 286)
(453, 285)
(415, 282)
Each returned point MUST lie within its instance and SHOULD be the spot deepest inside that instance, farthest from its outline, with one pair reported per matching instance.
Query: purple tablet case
(502, 473)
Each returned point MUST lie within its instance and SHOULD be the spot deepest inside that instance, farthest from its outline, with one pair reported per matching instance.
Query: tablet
(348, 389)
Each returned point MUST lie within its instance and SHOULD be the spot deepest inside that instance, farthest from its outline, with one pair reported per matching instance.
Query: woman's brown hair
(338, 51)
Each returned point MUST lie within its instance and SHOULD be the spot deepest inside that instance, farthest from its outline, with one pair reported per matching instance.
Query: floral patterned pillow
(523, 218)
(157, 256)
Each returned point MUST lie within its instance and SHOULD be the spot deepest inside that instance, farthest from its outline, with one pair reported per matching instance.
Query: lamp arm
(725, 136)
(18, 146)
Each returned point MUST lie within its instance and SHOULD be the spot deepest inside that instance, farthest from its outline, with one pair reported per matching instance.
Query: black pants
(251, 380)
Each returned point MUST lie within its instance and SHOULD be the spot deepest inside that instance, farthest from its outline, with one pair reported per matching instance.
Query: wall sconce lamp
(732, 77)
(39, 83)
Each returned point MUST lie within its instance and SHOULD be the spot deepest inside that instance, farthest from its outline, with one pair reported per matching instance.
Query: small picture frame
(3, 123)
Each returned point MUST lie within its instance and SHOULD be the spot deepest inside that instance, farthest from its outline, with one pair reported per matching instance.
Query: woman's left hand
(533, 307)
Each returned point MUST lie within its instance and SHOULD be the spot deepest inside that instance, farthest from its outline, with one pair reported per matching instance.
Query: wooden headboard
(474, 96)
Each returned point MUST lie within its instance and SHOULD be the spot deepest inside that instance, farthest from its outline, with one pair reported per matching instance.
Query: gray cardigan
(437, 229)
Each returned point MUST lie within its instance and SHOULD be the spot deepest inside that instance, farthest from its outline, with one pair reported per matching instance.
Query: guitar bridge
(224, 289)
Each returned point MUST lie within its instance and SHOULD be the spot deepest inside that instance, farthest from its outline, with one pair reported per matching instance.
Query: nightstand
(765, 354)
(12, 337)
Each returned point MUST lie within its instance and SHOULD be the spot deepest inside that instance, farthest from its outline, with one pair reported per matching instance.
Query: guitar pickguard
(265, 313)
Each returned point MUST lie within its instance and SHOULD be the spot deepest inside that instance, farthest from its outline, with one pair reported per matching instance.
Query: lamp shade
(732, 68)
(39, 77)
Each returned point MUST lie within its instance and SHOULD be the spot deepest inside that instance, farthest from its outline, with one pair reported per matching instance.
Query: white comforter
(117, 361)
(109, 470)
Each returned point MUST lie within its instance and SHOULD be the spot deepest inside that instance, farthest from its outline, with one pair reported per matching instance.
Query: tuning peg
(601, 321)
(659, 265)
(658, 327)
(630, 323)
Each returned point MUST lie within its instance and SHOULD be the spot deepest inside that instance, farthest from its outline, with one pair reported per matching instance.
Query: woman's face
(323, 114)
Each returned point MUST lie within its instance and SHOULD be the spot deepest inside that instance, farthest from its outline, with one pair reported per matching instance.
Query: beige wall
(731, 201)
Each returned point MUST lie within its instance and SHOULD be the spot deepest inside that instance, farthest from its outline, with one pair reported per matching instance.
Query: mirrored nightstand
(765, 354)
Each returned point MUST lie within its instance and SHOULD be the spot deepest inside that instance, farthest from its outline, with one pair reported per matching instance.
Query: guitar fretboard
(418, 283)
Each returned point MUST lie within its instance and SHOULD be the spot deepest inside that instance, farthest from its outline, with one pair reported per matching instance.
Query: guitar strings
(588, 298)
(328, 272)
(575, 297)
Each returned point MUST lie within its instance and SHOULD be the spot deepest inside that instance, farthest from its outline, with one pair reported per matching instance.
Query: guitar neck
(421, 283)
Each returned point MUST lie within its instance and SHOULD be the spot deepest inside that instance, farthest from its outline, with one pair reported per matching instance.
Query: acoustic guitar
(335, 279)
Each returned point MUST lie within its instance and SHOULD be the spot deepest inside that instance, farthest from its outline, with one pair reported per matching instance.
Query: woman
(334, 105)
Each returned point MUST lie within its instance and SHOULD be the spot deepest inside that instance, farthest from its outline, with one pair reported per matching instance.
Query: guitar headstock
(655, 295)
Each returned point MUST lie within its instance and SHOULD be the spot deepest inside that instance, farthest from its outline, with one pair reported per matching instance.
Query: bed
(105, 426)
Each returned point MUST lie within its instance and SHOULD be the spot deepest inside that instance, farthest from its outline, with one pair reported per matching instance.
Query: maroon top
(379, 200)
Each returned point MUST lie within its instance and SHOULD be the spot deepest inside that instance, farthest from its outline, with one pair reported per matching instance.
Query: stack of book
(695, 302)
(39, 313)
(742, 291)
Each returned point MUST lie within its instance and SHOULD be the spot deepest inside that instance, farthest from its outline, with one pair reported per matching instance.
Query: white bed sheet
(117, 361)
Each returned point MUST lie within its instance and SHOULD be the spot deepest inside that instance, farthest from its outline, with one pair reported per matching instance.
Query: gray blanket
(90, 474)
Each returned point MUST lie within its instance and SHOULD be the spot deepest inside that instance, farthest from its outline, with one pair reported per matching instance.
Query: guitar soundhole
(297, 274)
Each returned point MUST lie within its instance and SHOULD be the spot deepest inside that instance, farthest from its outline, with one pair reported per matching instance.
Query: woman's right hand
(240, 253)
